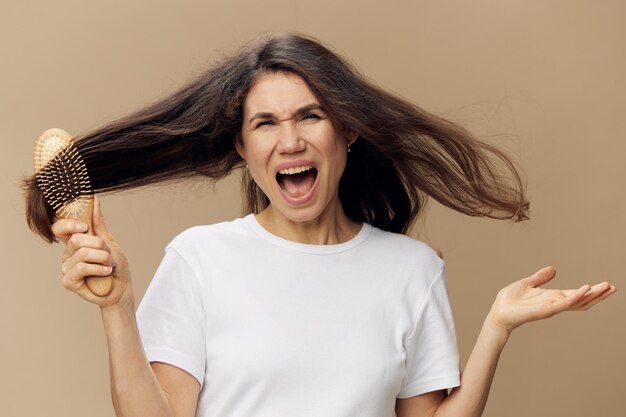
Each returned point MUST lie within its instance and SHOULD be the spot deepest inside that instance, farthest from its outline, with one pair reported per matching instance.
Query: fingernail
(80, 227)
(107, 269)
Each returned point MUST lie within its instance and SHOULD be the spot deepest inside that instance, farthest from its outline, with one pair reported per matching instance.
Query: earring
(352, 136)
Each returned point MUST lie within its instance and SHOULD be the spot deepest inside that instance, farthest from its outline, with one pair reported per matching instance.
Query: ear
(351, 136)
(239, 146)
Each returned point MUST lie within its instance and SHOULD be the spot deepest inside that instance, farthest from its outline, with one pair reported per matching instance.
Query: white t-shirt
(275, 328)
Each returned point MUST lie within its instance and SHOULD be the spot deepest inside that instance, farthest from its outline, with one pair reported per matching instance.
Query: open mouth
(297, 182)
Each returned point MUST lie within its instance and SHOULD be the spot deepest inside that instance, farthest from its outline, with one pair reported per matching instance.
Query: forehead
(278, 93)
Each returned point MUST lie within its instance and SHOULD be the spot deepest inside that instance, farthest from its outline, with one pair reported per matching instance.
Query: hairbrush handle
(100, 286)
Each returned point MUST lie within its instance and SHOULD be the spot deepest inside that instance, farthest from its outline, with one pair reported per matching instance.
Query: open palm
(524, 301)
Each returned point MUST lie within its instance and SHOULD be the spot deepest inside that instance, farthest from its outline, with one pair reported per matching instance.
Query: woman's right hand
(89, 255)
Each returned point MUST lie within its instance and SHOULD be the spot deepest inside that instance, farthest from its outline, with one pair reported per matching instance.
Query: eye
(311, 116)
(265, 123)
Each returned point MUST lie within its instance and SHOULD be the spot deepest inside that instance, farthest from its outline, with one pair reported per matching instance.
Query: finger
(577, 295)
(600, 288)
(99, 225)
(590, 303)
(596, 300)
(64, 228)
(541, 277)
(87, 255)
(564, 303)
(80, 240)
(93, 256)
(74, 279)
(593, 292)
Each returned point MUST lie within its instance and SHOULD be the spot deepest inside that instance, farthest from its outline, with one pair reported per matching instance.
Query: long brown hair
(402, 155)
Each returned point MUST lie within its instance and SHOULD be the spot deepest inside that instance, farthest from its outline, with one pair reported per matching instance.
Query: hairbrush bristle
(50, 143)
(61, 173)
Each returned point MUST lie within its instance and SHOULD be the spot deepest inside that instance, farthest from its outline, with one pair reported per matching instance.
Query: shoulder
(414, 263)
(403, 245)
(205, 238)
(410, 265)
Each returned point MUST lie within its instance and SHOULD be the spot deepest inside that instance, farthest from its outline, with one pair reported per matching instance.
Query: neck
(330, 228)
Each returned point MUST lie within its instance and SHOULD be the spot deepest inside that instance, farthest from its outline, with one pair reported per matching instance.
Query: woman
(315, 303)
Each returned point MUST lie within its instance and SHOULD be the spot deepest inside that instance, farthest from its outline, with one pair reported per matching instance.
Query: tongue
(297, 185)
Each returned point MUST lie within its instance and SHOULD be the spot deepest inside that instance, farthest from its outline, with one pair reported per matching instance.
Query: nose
(289, 139)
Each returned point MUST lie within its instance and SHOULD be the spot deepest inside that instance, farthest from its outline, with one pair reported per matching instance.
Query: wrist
(118, 320)
(124, 306)
(496, 330)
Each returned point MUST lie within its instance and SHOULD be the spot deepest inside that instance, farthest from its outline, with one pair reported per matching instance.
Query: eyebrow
(301, 110)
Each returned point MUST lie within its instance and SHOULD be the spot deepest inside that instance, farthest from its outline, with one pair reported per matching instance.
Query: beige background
(543, 79)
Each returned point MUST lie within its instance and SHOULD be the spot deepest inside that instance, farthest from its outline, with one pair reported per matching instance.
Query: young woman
(316, 303)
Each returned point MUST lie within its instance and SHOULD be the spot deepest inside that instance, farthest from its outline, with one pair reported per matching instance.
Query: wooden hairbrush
(62, 177)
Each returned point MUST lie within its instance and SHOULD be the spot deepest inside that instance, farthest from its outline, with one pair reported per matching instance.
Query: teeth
(295, 170)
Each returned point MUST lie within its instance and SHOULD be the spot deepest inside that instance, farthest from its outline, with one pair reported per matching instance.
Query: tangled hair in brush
(403, 154)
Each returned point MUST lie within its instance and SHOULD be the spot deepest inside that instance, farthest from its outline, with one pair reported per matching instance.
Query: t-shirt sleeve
(432, 358)
(171, 317)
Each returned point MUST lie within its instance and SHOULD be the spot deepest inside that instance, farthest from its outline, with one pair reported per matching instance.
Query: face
(295, 153)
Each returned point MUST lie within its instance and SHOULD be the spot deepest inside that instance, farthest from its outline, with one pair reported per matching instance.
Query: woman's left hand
(524, 301)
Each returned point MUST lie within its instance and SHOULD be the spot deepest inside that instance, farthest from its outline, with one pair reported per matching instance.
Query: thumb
(542, 276)
(99, 226)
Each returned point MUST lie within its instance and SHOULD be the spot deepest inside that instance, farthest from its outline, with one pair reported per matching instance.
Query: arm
(516, 304)
(138, 388)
